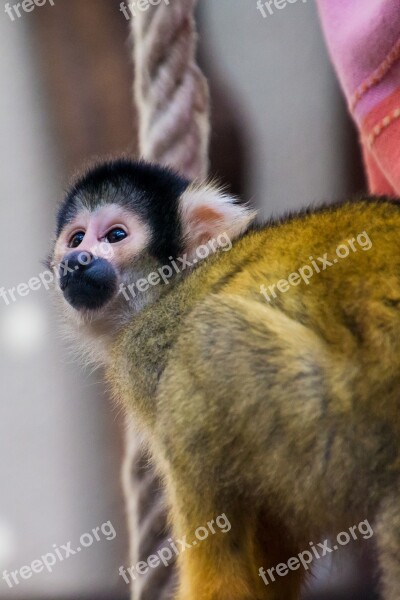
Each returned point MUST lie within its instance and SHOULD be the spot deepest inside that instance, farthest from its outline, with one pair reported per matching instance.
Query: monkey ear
(208, 212)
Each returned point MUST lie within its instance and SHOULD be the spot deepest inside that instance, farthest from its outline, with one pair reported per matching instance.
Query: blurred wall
(300, 143)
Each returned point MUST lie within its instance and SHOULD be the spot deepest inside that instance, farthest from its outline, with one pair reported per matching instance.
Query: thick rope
(147, 519)
(170, 91)
(173, 112)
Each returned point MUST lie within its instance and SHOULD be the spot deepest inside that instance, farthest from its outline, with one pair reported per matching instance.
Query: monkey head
(126, 222)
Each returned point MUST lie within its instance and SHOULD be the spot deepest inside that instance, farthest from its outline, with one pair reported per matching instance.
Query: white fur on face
(96, 225)
(206, 213)
(93, 330)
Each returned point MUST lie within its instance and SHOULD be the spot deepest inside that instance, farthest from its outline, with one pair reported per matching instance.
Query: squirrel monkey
(266, 390)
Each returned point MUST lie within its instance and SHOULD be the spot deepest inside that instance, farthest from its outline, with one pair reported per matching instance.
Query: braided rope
(147, 520)
(171, 92)
(172, 100)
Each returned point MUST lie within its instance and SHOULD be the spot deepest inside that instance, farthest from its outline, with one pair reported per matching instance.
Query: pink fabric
(378, 93)
(363, 38)
(360, 35)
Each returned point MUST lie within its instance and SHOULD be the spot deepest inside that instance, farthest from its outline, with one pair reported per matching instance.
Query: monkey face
(123, 222)
(93, 251)
(87, 282)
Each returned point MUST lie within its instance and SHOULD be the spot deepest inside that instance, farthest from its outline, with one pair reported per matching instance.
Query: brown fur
(283, 415)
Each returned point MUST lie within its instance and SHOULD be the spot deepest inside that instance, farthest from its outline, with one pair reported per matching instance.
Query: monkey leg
(388, 536)
(233, 565)
(213, 441)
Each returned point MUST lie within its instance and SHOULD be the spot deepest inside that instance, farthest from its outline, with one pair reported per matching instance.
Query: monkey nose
(74, 262)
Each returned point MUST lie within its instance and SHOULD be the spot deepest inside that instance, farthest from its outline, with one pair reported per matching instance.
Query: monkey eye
(116, 235)
(76, 239)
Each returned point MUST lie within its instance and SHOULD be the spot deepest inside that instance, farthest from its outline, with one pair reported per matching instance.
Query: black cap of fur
(150, 191)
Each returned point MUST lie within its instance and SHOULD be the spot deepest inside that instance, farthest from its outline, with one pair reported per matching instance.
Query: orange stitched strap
(377, 75)
(382, 125)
